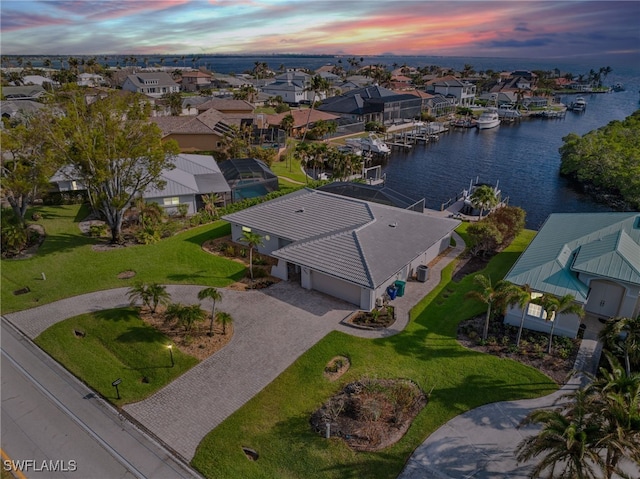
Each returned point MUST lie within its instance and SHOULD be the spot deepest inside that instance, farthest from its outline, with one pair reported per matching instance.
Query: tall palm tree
(316, 85)
(252, 240)
(554, 306)
(224, 318)
(214, 295)
(489, 295)
(621, 336)
(521, 297)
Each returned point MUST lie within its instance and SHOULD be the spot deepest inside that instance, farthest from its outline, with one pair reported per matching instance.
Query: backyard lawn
(275, 423)
(72, 267)
(115, 344)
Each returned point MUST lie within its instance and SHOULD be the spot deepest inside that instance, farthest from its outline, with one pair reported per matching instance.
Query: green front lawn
(276, 422)
(72, 267)
(115, 344)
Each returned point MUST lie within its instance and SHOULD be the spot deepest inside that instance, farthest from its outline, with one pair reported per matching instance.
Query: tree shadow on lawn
(63, 242)
(143, 334)
(209, 233)
(117, 314)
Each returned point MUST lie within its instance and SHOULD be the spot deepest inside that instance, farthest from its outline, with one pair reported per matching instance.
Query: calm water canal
(522, 156)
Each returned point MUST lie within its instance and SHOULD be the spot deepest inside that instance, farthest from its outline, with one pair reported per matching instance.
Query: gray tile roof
(361, 242)
(605, 245)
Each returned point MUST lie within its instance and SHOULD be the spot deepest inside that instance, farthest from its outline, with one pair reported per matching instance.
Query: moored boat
(488, 119)
(370, 143)
(579, 104)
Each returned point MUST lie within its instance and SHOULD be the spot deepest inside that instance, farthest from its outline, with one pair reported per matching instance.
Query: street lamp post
(171, 354)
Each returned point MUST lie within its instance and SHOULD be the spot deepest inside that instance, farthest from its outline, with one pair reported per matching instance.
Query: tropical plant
(185, 316)
(151, 295)
(252, 240)
(214, 295)
(621, 336)
(224, 318)
(489, 295)
(521, 296)
(483, 198)
(139, 292)
(554, 306)
(317, 84)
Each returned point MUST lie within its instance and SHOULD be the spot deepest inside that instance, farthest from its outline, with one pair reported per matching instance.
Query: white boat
(580, 104)
(370, 143)
(488, 119)
(508, 111)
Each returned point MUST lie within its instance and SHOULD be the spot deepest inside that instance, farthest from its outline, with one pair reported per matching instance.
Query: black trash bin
(422, 273)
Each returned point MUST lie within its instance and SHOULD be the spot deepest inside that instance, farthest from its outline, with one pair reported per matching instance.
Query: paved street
(47, 415)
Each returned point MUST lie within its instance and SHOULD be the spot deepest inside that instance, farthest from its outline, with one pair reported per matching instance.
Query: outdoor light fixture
(171, 354)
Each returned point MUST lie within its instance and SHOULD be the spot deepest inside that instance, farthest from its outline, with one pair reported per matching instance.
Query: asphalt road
(63, 430)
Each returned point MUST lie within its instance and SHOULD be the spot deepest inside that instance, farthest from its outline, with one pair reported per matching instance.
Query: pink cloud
(13, 21)
(106, 10)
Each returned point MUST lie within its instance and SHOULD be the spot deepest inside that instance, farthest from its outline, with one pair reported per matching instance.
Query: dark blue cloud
(511, 43)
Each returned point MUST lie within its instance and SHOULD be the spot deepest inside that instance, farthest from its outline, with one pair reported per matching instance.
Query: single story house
(594, 257)
(192, 177)
(300, 119)
(345, 247)
(205, 132)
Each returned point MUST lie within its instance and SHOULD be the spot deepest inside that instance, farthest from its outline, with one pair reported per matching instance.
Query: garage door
(335, 287)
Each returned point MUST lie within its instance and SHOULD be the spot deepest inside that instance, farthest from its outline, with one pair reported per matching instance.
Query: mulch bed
(532, 351)
(370, 414)
(384, 318)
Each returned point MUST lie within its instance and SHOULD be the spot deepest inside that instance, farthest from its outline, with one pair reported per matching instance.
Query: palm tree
(521, 297)
(157, 295)
(316, 85)
(554, 306)
(287, 123)
(186, 316)
(565, 441)
(489, 295)
(214, 295)
(224, 318)
(484, 198)
(252, 240)
(621, 336)
(139, 292)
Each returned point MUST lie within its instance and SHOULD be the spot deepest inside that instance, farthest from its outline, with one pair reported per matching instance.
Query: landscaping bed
(532, 351)
(378, 318)
(370, 414)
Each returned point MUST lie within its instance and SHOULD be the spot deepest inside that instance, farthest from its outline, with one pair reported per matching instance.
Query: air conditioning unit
(379, 301)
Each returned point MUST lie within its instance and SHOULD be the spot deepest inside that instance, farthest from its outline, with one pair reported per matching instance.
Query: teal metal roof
(606, 245)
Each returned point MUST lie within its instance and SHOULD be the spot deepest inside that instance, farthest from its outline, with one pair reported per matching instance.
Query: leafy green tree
(174, 99)
(113, 148)
(484, 237)
(490, 295)
(554, 306)
(214, 295)
(26, 164)
(224, 318)
(253, 240)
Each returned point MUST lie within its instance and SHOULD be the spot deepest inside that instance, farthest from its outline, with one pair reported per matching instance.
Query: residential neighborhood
(197, 266)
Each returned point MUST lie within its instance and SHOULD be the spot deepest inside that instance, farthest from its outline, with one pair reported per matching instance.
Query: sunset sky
(516, 28)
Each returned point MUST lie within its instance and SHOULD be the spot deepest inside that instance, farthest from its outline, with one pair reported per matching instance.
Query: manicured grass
(276, 422)
(116, 344)
(72, 267)
(289, 168)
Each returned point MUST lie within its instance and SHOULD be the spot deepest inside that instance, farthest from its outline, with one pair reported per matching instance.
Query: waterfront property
(593, 256)
(345, 247)
(154, 84)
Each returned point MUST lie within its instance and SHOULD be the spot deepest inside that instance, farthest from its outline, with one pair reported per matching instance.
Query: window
(173, 201)
(535, 309)
(246, 229)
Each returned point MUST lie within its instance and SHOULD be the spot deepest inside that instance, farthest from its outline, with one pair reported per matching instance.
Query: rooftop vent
(394, 224)
(301, 210)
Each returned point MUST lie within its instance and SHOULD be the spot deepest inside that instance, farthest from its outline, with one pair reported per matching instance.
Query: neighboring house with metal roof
(593, 256)
(192, 177)
(27, 92)
(345, 247)
(153, 84)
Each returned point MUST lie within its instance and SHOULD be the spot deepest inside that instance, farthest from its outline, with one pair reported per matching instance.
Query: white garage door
(335, 287)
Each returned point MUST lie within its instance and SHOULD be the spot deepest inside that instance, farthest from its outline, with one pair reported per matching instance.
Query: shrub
(148, 236)
(182, 209)
(97, 231)
(259, 273)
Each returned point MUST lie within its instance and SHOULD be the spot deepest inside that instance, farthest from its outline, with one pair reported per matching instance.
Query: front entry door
(604, 299)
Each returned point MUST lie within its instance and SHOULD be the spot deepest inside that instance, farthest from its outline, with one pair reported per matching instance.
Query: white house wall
(566, 324)
(333, 286)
